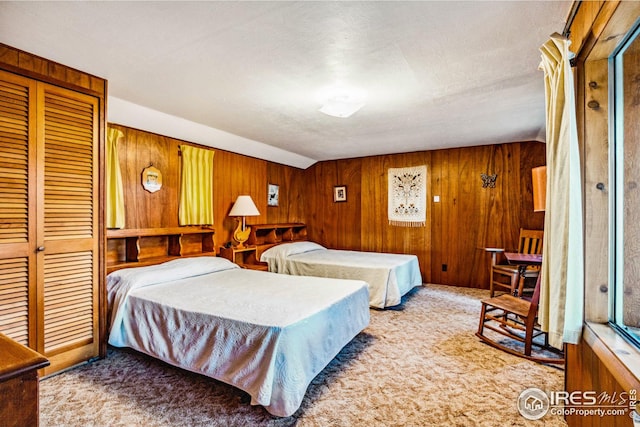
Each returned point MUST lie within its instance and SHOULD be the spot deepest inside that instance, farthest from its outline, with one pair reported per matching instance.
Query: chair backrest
(530, 241)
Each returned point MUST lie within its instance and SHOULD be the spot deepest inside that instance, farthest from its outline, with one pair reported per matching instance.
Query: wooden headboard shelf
(136, 247)
(263, 236)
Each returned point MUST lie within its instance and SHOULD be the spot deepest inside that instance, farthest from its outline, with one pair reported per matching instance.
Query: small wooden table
(522, 261)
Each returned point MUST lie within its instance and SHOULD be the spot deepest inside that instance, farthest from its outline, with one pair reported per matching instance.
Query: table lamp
(243, 207)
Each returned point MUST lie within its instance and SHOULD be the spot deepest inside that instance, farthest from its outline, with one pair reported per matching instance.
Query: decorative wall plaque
(151, 179)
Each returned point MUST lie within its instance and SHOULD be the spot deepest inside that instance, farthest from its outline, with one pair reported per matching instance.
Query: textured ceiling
(248, 76)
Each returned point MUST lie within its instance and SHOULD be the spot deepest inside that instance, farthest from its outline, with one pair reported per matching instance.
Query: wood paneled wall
(292, 204)
(467, 218)
(234, 175)
(335, 225)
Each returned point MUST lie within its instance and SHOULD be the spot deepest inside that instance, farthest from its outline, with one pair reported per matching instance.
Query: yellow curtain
(562, 282)
(196, 186)
(115, 194)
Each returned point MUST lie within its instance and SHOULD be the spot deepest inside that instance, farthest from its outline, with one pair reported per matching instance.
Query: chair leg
(493, 262)
(491, 289)
(482, 316)
(529, 327)
(515, 284)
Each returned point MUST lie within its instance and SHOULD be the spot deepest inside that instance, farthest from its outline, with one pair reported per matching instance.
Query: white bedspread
(264, 333)
(390, 276)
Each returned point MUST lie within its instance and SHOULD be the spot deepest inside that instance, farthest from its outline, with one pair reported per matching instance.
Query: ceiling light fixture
(342, 102)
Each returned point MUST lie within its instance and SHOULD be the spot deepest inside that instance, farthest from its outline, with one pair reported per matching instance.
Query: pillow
(287, 249)
(121, 282)
(176, 269)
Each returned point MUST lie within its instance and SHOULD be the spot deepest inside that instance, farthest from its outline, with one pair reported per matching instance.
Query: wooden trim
(596, 172)
(36, 67)
(610, 350)
(592, 17)
(606, 27)
(571, 17)
(612, 23)
(136, 232)
(102, 235)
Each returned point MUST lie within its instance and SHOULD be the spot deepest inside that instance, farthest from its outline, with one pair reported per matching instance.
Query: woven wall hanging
(408, 196)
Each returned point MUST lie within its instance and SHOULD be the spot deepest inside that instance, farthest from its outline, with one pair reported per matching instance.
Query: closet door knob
(40, 248)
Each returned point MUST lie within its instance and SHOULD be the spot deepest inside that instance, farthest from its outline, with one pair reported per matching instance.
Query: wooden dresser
(19, 383)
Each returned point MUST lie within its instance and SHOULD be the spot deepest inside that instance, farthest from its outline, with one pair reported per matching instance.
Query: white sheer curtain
(561, 308)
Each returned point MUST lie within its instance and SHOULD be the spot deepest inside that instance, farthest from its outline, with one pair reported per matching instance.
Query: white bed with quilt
(390, 276)
(264, 333)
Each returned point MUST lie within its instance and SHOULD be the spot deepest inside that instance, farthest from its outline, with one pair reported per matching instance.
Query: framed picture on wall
(340, 193)
(272, 195)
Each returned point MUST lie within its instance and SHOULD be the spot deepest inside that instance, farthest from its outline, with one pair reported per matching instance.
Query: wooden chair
(516, 318)
(508, 277)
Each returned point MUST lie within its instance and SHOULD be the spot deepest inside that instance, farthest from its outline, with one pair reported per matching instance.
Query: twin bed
(390, 276)
(265, 333)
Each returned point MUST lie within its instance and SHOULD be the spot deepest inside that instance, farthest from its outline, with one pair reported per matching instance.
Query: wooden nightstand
(244, 257)
(19, 383)
(260, 267)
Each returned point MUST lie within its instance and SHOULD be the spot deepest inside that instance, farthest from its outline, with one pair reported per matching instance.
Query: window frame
(616, 179)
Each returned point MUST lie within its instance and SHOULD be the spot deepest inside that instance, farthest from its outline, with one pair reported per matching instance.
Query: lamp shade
(539, 177)
(244, 206)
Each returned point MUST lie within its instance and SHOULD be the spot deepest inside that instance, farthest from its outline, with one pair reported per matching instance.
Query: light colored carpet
(418, 365)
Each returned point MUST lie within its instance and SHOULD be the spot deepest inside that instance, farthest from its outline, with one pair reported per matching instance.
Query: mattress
(390, 276)
(264, 333)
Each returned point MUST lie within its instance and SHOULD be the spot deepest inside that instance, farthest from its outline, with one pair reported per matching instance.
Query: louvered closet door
(17, 208)
(67, 225)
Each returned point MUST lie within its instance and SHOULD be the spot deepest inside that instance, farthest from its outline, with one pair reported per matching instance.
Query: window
(624, 64)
